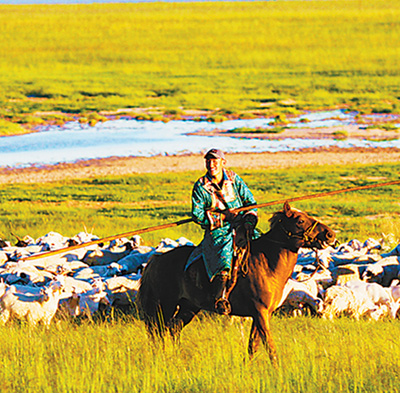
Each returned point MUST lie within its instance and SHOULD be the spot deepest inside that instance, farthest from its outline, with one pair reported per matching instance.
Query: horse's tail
(147, 299)
(160, 288)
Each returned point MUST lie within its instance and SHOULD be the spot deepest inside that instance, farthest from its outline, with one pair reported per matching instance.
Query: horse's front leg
(254, 339)
(261, 330)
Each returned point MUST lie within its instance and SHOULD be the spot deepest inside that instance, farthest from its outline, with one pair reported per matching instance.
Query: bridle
(306, 235)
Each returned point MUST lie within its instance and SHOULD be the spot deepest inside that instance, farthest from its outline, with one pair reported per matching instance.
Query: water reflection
(127, 137)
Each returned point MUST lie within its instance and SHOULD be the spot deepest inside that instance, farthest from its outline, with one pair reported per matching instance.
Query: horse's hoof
(223, 307)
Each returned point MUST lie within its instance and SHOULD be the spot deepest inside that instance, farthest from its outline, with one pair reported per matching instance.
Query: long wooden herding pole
(319, 195)
(105, 240)
(187, 220)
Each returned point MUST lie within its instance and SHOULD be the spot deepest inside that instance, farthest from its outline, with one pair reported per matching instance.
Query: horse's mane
(275, 218)
(258, 245)
(281, 214)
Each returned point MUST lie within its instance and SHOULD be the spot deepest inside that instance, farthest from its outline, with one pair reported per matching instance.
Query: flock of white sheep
(354, 279)
(73, 283)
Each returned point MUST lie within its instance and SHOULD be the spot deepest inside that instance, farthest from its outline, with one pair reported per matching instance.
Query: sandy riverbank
(129, 165)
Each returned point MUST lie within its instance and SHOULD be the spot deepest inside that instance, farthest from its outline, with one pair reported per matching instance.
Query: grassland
(225, 57)
(118, 204)
(116, 355)
(260, 57)
(316, 356)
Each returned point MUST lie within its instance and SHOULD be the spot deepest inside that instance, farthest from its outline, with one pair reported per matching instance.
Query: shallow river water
(128, 137)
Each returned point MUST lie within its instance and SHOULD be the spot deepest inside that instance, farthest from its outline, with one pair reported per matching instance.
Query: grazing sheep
(3, 257)
(383, 272)
(24, 273)
(375, 293)
(298, 296)
(122, 283)
(4, 244)
(394, 252)
(101, 257)
(69, 306)
(113, 276)
(136, 259)
(341, 300)
(93, 300)
(324, 278)
(349, 272)
(52, 241)
(30, 306)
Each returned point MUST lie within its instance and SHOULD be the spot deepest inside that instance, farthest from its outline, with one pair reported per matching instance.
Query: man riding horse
(214, 198)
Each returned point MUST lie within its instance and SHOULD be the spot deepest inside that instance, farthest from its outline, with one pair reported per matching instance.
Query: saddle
(241, 253)
(224, 283)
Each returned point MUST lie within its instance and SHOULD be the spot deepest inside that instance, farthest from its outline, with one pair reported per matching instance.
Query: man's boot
(221, 305)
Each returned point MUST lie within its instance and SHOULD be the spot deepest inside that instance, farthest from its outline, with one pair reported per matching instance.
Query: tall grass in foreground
(202, 55)
(116, 355)
(315, 356)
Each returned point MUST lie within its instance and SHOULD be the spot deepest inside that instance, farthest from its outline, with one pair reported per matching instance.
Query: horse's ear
(287, 209)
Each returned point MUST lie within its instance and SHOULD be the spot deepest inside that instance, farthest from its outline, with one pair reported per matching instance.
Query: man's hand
(228, 215)
(250, 221)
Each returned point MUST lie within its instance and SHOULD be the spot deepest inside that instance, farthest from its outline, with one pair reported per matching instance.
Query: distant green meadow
(227, 57)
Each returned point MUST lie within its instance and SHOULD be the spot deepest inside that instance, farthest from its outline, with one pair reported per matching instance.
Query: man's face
(214, 166)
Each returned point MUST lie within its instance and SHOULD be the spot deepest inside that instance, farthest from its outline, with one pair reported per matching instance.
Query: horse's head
(301, 230)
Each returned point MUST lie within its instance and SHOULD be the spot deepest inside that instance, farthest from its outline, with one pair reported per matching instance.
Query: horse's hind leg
(260, 330)
(185, 314)
(158, 322)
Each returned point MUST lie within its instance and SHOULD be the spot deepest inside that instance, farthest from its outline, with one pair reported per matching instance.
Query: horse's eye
(301, 221)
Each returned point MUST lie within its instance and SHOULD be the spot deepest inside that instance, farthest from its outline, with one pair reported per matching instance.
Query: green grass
(266, 57)
(9, 128)
(315, 356)
(114, 205)
(341, 134)
(116, 355)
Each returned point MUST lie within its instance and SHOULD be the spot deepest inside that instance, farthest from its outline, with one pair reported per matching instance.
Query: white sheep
(383, 272)
(297, 295)
(28, 274)
(92, 301)
(375, 293)
(69, 306)
(32, 307)
(100, 257)
(342, 300)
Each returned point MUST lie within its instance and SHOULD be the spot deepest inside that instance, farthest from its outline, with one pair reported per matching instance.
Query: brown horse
(170, 295)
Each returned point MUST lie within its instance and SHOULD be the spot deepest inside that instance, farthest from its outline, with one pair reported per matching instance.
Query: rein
(304, 236)
(319, 264)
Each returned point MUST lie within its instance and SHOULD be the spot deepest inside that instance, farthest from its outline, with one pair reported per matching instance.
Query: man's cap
(215, 153)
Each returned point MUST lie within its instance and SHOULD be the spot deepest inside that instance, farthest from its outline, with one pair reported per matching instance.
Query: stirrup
(222, 306)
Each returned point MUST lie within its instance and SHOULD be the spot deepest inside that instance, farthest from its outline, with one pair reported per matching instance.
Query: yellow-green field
(117, 204)
(316, 356)
(264, 57)
(116, 355)
(260, 56)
